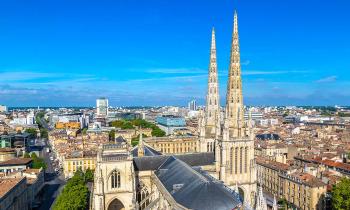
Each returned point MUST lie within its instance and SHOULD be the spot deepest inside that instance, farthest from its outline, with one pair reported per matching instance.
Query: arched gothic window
(240, 160)
(236, 160)
(231, 158)
(115, 179)
(143, 196)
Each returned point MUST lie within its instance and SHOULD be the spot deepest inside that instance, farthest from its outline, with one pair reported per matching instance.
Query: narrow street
(53, 183)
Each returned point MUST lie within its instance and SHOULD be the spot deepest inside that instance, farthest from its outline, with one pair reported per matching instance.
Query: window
(115, 179)
(245, 160)
(231, 158)
(240, 160)
(236, 160)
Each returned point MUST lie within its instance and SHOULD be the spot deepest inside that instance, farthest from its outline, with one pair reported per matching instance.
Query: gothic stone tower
(235, 161)
(210, 124)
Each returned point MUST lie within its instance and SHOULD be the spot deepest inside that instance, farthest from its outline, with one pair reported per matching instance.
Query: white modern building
(102, 107)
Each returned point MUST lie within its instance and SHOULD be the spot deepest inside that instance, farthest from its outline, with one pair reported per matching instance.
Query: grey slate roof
(153, 162)
(195, 189)
(120, 139)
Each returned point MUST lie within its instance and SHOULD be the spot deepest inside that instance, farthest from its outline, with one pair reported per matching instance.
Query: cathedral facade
(220, 173)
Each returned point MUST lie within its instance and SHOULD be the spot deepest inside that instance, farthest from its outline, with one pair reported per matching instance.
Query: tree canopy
(111, 135)
(75, 193)
(341, 195)
(37, 162)
(31, 131)
(130, 124)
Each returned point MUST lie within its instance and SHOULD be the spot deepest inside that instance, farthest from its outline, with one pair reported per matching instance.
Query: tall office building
(102, 107)
(3, 108)
(192, 105)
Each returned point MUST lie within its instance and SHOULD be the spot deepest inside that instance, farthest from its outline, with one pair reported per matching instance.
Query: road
(53, 184)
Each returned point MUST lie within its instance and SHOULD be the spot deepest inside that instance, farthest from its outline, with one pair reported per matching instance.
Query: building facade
(102, 107)
(72, 164)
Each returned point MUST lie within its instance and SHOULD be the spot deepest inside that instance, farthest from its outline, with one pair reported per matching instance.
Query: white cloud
(176, 71)
(248, 72)
(327, 79)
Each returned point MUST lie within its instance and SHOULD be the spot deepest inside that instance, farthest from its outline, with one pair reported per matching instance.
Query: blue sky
(156, 52)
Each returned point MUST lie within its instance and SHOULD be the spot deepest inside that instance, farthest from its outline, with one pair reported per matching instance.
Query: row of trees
(130, 124)
(75, 194)
(43, 131)
(37, 162)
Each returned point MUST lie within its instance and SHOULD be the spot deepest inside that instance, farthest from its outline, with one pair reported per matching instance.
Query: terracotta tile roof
(16, 161)
(272, 164)
(7, 149)
(7, 184)
(308, 179)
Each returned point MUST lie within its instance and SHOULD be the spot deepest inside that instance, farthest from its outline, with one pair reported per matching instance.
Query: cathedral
(221, 174)
(230, 137)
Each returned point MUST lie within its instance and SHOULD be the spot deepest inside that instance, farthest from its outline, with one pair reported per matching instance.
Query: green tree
(111, 135)
(158, 132)
(84, 131)
(283, 202)
(44, 133)
(89, 175)
(31, 131)
(26, 155)
(38, 162)
(117, 123)
(341, 195)
(127, 125)
(75, 194)
(34, 156)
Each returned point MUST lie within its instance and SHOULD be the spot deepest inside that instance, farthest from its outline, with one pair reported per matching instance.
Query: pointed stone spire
(260, 200)
(140, 149)
(250, 123)
(236, 188)
(234, 97)
(212, 109)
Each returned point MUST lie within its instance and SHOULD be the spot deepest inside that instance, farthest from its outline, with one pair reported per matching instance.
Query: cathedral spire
(234, 98)
(140, 149)
(212, 110)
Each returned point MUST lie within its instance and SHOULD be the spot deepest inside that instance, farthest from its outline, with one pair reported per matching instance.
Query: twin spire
(213, 103)
(234, 114)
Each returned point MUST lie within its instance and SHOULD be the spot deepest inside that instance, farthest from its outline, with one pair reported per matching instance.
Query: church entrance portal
(116, 205)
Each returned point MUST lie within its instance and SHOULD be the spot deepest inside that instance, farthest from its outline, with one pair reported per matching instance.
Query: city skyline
(71, 54)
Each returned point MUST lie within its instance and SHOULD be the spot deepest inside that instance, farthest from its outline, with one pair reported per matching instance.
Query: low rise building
(72, 163)
(15, 164)
(13, 193)
(7, 154)
(304, 190)
(68, 125)
(174, 145)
